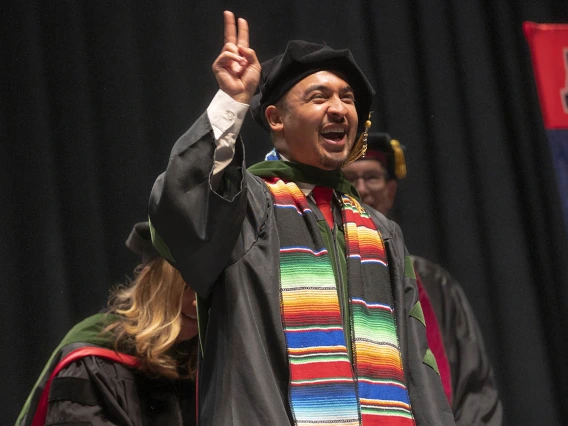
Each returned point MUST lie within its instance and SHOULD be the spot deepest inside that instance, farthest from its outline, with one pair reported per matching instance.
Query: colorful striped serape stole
(325, 388)
(383, 395)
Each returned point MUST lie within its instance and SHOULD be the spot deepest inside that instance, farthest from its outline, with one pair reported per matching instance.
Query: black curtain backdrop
(94, 94)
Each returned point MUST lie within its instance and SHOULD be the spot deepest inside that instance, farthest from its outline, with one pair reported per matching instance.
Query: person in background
(307, 313)
(453, 332)
(134, 364)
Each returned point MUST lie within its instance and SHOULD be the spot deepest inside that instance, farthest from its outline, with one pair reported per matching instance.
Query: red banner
(548, 44)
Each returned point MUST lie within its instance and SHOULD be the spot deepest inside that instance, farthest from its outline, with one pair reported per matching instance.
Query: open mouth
(334, 134)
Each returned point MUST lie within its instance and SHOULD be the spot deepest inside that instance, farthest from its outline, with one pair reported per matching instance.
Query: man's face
(318, 120)
(371, 181)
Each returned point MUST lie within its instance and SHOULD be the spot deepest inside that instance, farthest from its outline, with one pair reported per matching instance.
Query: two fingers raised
(236, 33)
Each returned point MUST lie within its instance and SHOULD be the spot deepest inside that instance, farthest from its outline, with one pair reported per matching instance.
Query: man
(470, 383)
(306, 310)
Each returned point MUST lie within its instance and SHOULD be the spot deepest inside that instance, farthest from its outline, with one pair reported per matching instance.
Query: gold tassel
(360, 148)
(399, 161)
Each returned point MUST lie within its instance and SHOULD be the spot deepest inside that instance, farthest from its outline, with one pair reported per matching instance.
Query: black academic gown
(100, 392)
(225, 244)
(475, 399)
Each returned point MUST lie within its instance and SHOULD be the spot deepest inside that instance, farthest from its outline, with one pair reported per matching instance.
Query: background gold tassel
(399, 161)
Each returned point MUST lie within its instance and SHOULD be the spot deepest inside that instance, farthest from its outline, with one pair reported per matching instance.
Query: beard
(332, 163)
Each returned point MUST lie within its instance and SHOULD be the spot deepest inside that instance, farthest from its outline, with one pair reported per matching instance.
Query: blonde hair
(150, 317)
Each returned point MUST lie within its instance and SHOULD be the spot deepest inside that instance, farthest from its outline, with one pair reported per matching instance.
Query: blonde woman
(134, 364)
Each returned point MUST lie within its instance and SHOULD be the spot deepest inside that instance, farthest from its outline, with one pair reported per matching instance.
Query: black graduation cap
(301, 59)
(387, 151)
(140, 242)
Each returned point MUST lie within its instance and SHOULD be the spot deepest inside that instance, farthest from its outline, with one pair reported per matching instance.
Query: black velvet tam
(380, 147)
(301, 59)
(140, 242)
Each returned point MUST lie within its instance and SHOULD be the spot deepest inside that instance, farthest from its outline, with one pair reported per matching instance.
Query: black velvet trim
(73, 389)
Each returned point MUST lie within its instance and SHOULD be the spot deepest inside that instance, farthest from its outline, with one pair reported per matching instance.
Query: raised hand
(237, 69)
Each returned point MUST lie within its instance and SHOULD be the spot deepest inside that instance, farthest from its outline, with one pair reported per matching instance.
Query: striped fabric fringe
(325, 389)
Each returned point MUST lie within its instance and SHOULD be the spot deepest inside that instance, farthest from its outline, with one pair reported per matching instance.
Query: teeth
(334, 130)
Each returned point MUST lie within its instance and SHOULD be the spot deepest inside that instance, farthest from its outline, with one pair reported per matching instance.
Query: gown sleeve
(195, 221)
(90, 392)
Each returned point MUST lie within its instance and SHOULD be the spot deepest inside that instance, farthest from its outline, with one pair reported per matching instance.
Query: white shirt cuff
(226, 114)
(226, 117)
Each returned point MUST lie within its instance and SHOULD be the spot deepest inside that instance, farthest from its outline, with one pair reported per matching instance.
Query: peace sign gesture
(237, 69)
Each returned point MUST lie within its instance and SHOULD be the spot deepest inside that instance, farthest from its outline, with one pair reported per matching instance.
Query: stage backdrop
(94, 94)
